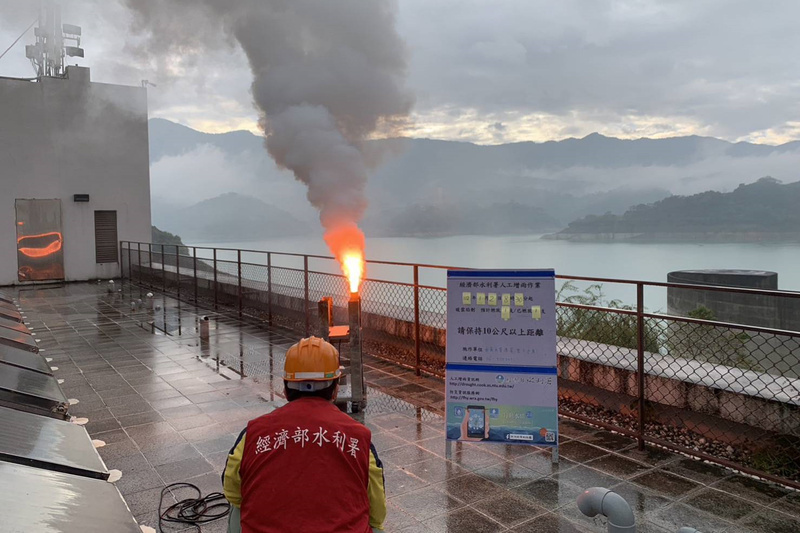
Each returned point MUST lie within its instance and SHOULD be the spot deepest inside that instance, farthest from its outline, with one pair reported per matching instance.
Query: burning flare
(353, 267)
(347, 244)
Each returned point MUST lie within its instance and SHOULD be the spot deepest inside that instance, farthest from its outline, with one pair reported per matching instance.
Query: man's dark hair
(325, 394)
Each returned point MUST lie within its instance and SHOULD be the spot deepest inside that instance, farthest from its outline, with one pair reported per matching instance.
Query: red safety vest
(305, 469)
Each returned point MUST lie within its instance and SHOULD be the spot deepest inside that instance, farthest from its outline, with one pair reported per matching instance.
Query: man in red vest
(306, 467)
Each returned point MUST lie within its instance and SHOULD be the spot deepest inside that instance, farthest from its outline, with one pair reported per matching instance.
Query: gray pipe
(598, 500)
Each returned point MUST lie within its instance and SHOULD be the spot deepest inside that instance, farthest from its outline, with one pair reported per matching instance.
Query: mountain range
(425, 187)
(762, 210)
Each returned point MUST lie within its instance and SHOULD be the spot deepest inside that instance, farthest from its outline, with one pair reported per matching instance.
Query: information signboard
(501, 383)
(501, 317)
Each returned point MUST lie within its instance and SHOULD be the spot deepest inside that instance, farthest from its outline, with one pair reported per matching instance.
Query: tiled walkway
(169, 407)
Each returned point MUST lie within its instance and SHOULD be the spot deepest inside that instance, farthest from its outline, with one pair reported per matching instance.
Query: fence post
(215, 279)
(416, 321)
(178, 268)
(164, 268)
(307, 303)
(194, 271)
(150, 263)
(269, 289)
(139, 250)
(130, 267)
(640, 359)
(239, 269)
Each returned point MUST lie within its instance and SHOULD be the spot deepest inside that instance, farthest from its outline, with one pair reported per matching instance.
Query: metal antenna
(47, 55)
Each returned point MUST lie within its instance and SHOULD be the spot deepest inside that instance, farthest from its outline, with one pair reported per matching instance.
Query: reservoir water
(636, 261)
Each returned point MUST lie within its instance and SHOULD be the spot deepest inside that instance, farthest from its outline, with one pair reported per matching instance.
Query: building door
(40, 241)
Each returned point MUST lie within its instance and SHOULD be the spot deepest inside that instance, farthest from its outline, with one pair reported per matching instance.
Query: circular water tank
(738, 308)
(753, 279)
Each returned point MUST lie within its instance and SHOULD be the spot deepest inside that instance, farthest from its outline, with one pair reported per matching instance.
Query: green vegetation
(606, 327)
(705, 342)
(165, 237)
(779, 458)
(766, 206)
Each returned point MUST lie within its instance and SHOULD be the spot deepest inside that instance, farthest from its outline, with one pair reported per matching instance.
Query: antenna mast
(47, 55)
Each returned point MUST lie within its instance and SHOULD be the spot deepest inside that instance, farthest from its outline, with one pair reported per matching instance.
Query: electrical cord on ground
(192, 511)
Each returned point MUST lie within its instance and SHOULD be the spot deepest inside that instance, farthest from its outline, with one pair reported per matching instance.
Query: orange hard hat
(311, 360)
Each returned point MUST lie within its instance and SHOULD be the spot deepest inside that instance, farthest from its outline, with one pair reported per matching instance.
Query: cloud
(207, 171)
(630, 61)
(203, 173)
(716, 172)
(546, 70)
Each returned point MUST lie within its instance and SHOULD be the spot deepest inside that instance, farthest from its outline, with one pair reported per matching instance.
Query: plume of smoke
(326, 76)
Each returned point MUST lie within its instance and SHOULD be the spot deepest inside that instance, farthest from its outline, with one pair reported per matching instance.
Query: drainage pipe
(598, 500)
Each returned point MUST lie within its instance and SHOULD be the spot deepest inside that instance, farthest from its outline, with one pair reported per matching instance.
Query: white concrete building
(74, 176)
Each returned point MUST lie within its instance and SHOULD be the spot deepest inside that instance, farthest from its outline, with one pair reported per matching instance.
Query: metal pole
(139, 250)
(178, 268)
(215, 279)
(305, 276)
(241, 355)
(194, 268)
(640, 359)
(269, 289)
(239, 268)
(130, 267)
(358, 391)
(164, 268)
(417, 345)
(325, 309)
(150, 262)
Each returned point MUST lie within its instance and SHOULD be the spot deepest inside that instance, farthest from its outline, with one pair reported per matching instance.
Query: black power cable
(20, 37)
(192, 511)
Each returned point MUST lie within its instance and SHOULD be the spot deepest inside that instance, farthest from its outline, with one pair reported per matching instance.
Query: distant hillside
(165, 237)
(764, 209)
(594, 150)
(553, 183)
(168, 138)
(233, 217)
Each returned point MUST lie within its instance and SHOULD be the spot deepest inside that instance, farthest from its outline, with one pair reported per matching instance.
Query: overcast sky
(492, 71)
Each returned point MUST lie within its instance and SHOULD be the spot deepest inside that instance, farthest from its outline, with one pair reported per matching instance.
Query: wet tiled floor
(169, 407)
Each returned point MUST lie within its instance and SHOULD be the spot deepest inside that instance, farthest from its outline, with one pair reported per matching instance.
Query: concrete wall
(753, 310)
(60, 137)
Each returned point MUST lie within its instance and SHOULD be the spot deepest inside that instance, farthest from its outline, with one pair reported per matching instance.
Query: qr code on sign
(550, 437)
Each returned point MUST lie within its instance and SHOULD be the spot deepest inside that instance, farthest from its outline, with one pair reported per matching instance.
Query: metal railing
(722, 391)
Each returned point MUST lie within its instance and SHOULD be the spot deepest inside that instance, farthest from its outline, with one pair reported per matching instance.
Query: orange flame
(347, 244)
(353, 266)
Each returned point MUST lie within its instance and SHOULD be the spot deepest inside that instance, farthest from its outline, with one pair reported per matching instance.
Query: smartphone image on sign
(476, 426)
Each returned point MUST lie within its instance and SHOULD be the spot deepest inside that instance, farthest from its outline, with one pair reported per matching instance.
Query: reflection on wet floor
(169, 406)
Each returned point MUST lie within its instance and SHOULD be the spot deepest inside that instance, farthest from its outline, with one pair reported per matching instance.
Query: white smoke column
(327, 75)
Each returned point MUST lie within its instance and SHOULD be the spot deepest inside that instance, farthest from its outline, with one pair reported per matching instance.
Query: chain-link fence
(690, 378)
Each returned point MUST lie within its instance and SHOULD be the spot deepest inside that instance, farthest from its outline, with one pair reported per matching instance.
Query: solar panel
(47, 443)
(30, 391)
(39, 501)
(15, 339)
(24, 359)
